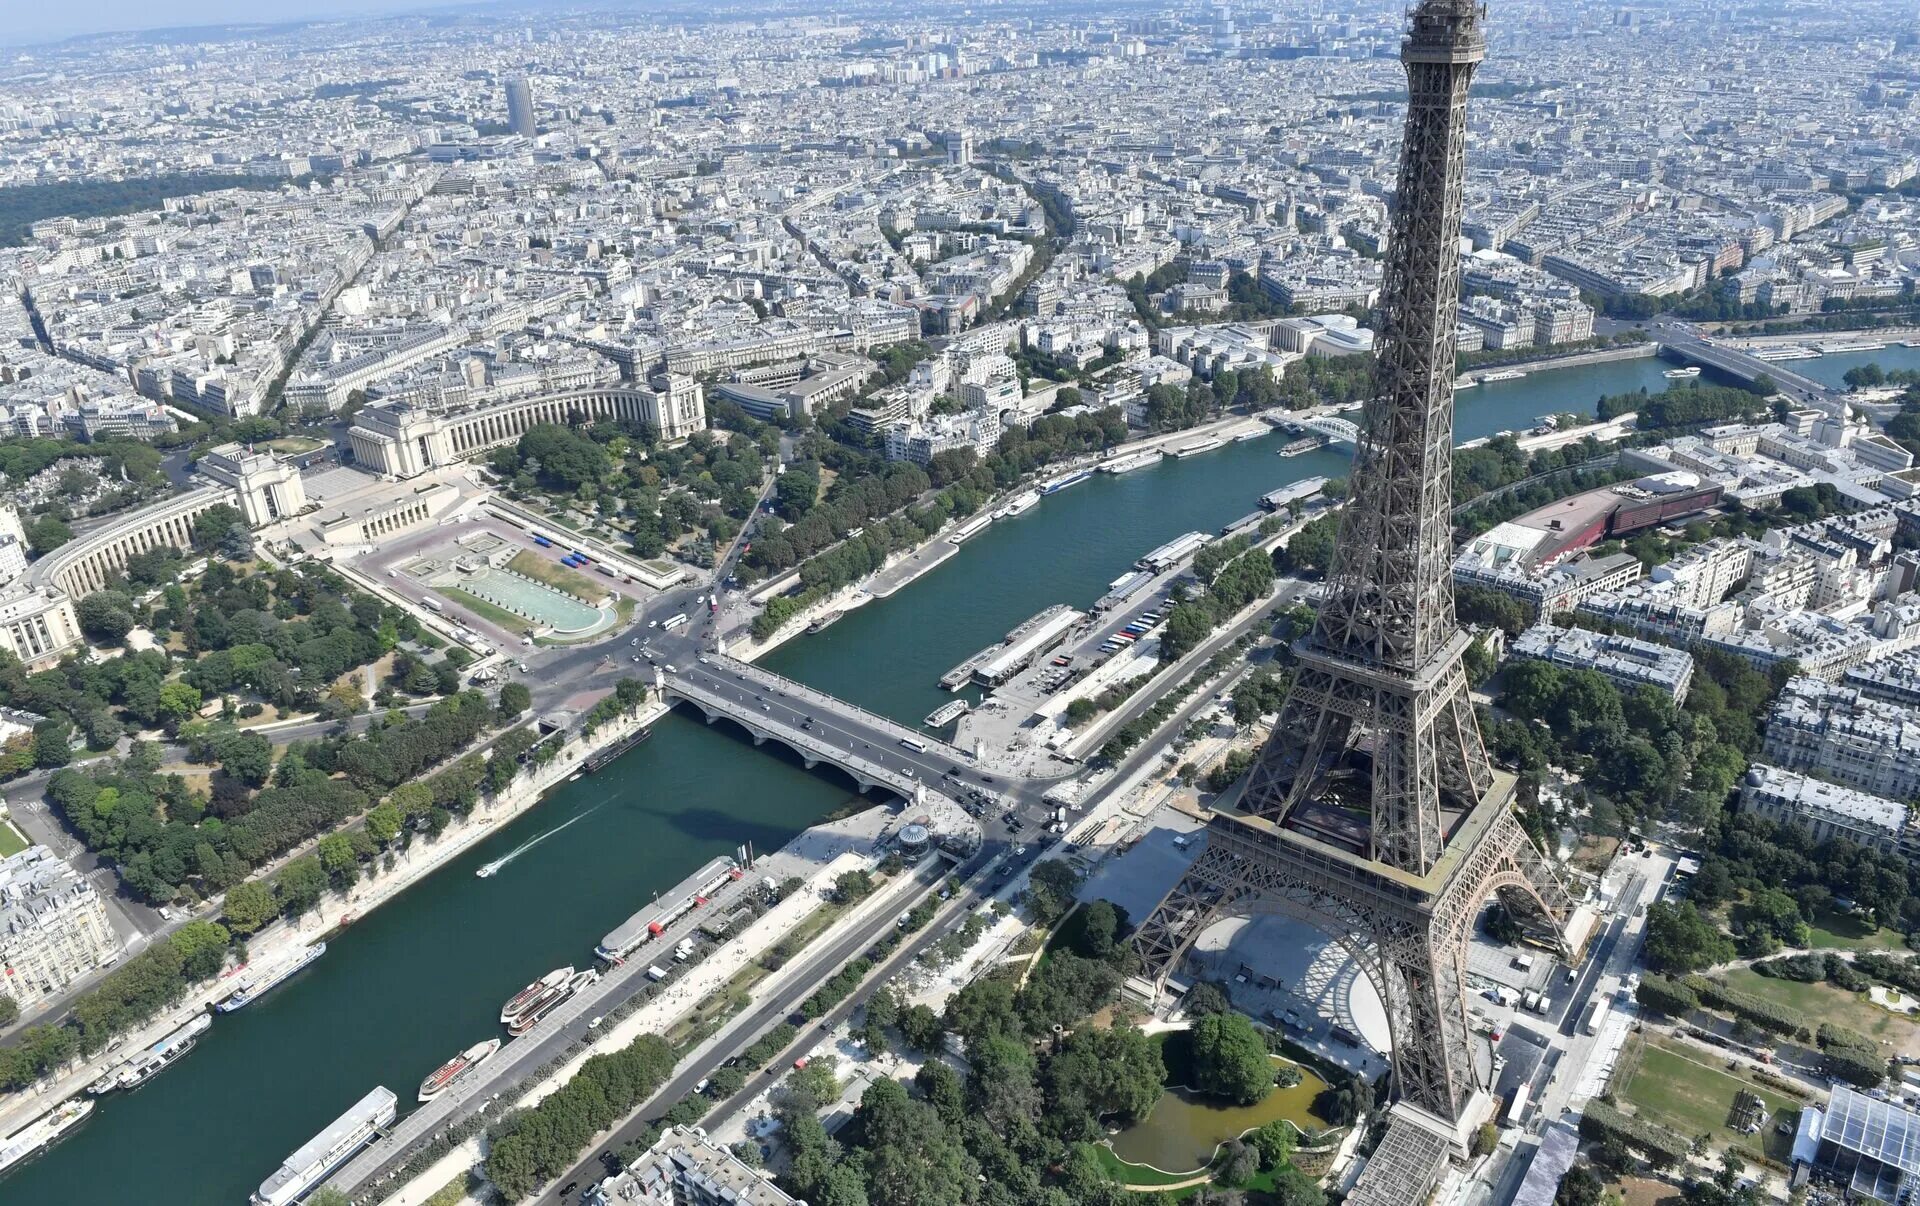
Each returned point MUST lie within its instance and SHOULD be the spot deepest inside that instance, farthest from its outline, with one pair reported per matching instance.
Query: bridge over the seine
(873, 749)
(1736, 363)
(1336, 429)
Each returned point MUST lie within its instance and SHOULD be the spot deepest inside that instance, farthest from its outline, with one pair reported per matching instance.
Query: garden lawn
(487, 611)
(1132, 1174)
(1822, 1002)
(558, 576)
(1688, 1090)
(1839, 931)
(10, 840)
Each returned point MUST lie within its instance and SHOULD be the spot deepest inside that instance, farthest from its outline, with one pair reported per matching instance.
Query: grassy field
(487, 611)
(1691, 1091)
(1595, 854)
(558, 576)
(295, 445)
(1132, 1174)
(1643, 1191)
(10, 840)
(1822, 1002)
(1836, 931)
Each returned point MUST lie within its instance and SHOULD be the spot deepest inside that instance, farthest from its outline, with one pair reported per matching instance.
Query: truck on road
(1595, 1015)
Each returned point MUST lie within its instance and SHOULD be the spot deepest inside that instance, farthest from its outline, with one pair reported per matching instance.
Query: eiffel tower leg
(1432, 1042)
(1195, 903)
(1305, 730)
(1464, 770)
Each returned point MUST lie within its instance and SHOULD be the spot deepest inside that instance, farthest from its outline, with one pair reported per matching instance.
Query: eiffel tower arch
(1408, 935)
(1373, 813)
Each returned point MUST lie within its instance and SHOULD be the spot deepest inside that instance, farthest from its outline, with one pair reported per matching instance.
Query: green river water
(413, 982)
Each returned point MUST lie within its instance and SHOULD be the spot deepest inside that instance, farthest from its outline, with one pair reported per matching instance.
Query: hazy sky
(37, 22)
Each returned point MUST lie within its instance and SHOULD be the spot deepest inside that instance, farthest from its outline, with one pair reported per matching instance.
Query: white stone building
(53, 926)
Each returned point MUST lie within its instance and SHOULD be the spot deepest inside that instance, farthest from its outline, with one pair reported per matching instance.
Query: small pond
(1184, 1128)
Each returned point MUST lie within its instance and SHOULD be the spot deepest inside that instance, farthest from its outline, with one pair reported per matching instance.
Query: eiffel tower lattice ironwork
(1372, 812)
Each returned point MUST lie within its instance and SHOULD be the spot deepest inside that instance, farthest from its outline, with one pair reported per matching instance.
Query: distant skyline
(31, 24)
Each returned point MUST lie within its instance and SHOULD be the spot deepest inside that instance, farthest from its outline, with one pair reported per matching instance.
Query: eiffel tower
(1372, 813)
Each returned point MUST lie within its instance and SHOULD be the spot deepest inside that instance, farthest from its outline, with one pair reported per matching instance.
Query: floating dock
(1173, 552)
(667, 908)
(1127, 464)
(1196, 448)
(968, 530)
(964, 673)
(947, 713)
(613, 751)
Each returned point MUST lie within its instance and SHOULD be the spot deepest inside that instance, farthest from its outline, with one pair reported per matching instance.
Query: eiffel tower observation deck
(1373, 814)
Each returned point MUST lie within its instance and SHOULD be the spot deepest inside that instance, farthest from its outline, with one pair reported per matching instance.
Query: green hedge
(1661, 1146)
(1665, 995)
(1749, 1008)
(1852, 1056)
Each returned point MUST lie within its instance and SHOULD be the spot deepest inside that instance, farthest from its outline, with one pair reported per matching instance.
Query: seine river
(423, 977)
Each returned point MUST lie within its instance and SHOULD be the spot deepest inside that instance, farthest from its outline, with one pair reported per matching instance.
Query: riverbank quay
(847, 846)
(1631, 351)
(281, 938)
(909, 565)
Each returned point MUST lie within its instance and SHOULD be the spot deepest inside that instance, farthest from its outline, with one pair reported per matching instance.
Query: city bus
(914, 744)
(673, 622)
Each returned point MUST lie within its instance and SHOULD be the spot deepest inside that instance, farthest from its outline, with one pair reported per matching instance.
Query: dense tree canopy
(1230, 1059)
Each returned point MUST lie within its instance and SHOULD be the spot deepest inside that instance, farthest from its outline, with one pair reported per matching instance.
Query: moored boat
(43, 1132)
(824, 621)
(255, 985)
(317, 1159)
(1682, 374)
(523, 1000)
(549, 1001)
(156, 1058)
(446, 1075)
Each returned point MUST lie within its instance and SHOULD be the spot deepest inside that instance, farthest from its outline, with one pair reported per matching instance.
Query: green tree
(1274, 1142)
(850, 886)
(1188, 624)
(247, 756)
(1230, 1059)
(1679, 939)
(9, 1010)
(1098, 931)
(338, 859)
(299, 885)
(201, 947)
(1309, 551)
(921, 1027)
(104, 617)
(249, 906)
(515, 699)
(178, 701)
(1050, 889)
(384, 822)
(1291, 1187)
(46, 534)
(53, 742)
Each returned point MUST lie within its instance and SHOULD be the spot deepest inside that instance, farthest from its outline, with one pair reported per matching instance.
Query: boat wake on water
(529, 844)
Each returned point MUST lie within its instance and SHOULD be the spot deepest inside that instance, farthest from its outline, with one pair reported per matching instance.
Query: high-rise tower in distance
(520, 106)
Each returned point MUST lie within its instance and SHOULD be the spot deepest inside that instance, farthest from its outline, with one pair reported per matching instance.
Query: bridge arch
(810, 760)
